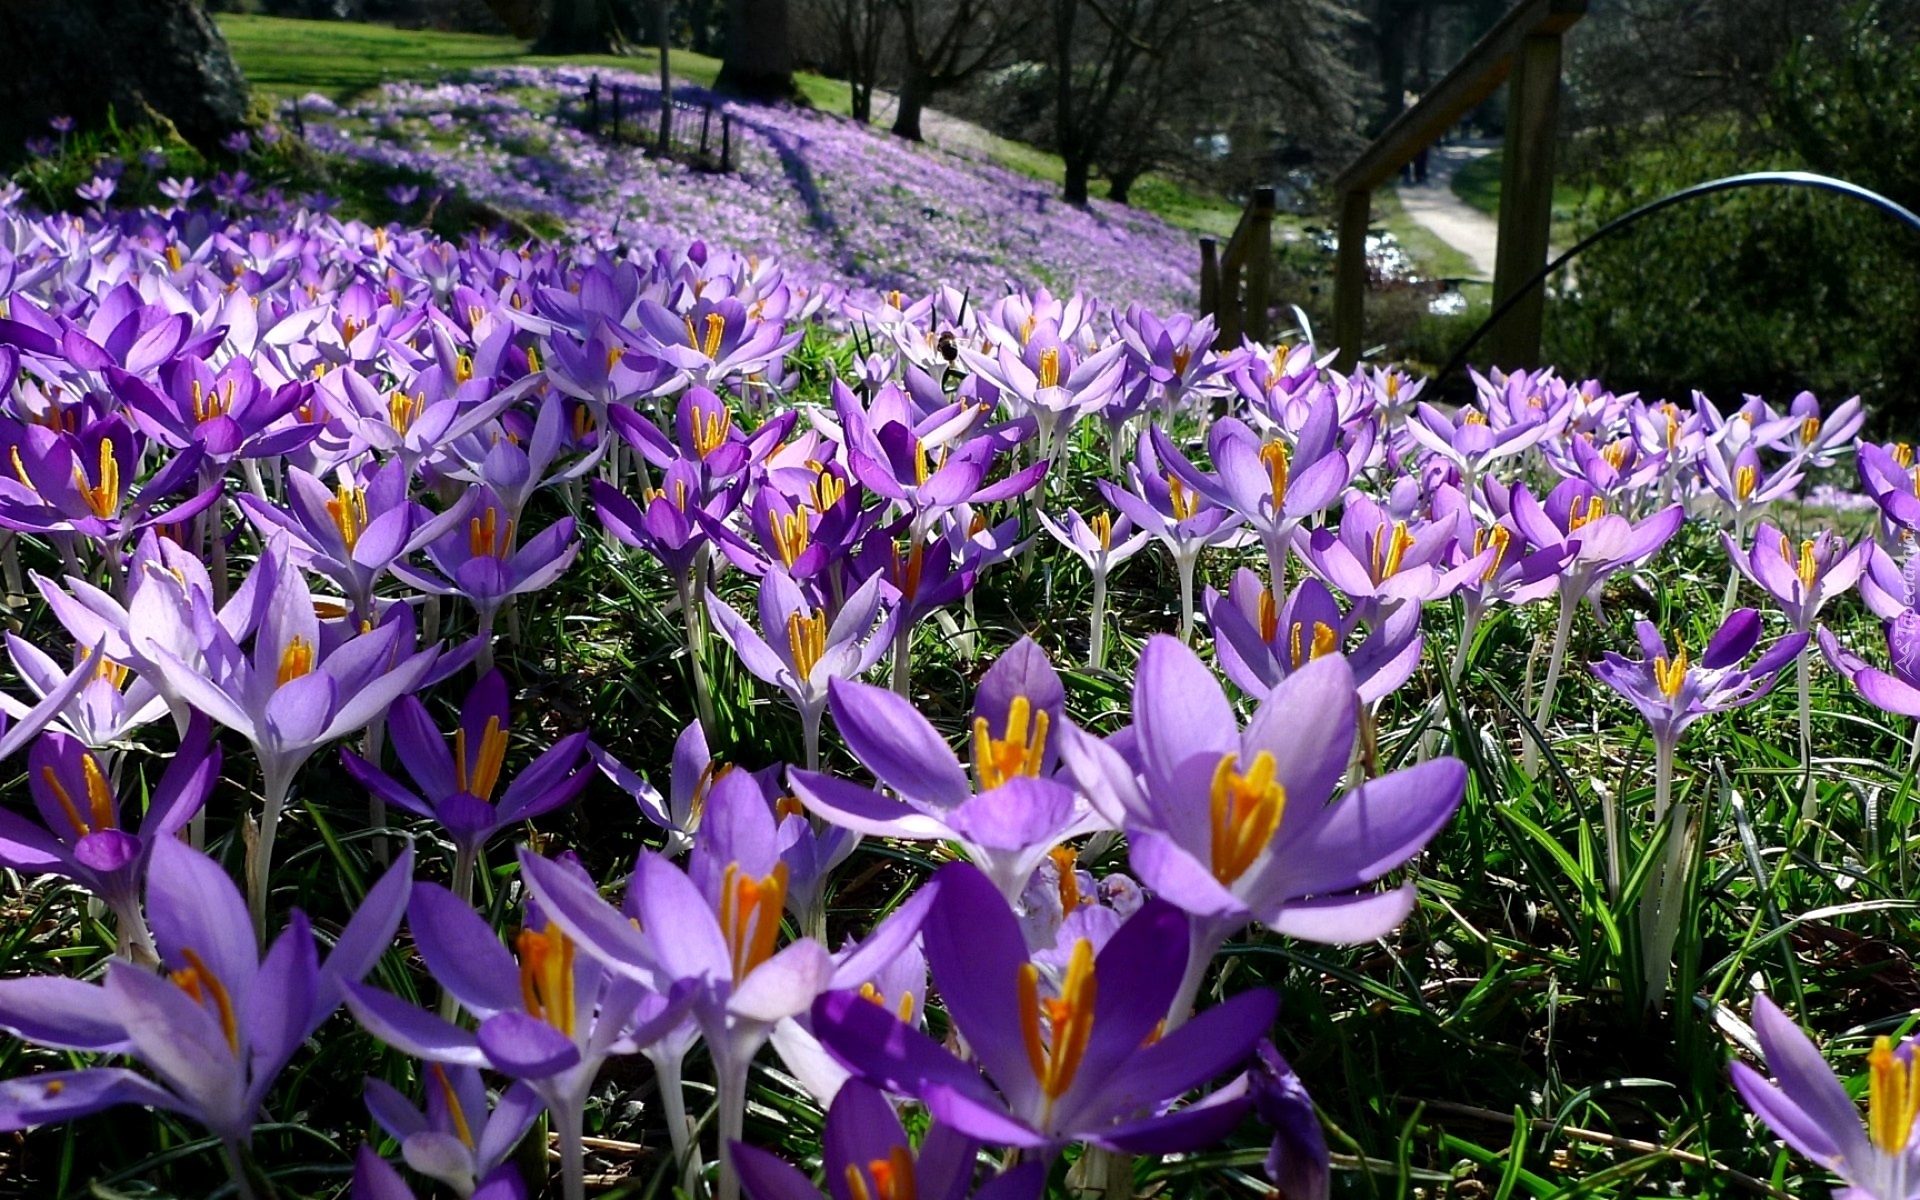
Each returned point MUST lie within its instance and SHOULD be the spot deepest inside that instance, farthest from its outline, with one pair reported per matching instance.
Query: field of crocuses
(500, 721)
(835, 201)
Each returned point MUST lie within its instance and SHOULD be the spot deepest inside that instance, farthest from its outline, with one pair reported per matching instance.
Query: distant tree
(140, 58)
(852, 39)
(946, 43)
(581, 27)
(759, 61)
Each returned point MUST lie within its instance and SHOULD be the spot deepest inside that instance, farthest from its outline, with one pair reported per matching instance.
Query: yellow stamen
(1269, 616)
(1475, 417)
(1247, 807)
(1181, 358)
(1064, 860)
(1673, 427)
(198, 981)
(828, 488)
(1744, 481)
(1579, 518)
(710, 431)
(807, 641)
(533, 360)
(1809, 430)
(1497, 537)
(1322, 643)
(788, 806)
(716, 325)
(1903, 453)
(295, 661)
(1049, 368)
(480, 781)
(1389, 550)
(462, 368)
(1102, 526)
(99, 795)
(20, 469)
(790, 536)
(1056, 1059)
(1183, 502)
(1018, 753)
(452, 1099)
(487, 535)
(174, 261)
(1616, 454)
(65, 800)
(908, 565)
(348, 508)
(750, 915)
(403, 410)
(349, 329)
(102, 497)
(1274, 454)
(546, 976)
(1893, 1096)
(1670, 674)
(892, 1177)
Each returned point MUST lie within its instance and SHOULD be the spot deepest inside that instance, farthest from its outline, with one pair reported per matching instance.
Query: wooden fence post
(1350, 278)
(726, 142)
(593, 104)
(1210, 279)
(615, 98)
(1259, 264)
(1526, 200)
(706, 121)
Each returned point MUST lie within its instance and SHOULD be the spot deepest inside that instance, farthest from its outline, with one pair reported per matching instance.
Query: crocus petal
(525, 1047)
(66, 1014)
(891, 739)
(193, 905)
(411, 1030)
(462, 951)
(57, 1096)
(1344, 920)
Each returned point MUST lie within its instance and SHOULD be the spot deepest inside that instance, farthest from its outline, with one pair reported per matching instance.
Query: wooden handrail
(1463, 89)
(1248, 256)
(1523, 47)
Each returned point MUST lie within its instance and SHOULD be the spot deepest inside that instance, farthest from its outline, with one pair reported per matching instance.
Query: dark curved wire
(1729, 183)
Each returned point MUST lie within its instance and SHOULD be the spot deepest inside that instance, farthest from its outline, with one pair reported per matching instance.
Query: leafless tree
(851, 39)
(759, 61)
(946, 43)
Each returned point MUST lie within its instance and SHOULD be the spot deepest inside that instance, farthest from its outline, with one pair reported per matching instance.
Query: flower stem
(573, 1155)
(1097, 629)
(135, 939)
(279, 781)
(810, 733)
(1203, 942)
(733, 1119)
(1469, 626)
(1185, 563)
(1530, 754)
(673, 1105)
(1804, 670)
(696, 649)
(1733, 572)
(236, 1163)
(376, 736)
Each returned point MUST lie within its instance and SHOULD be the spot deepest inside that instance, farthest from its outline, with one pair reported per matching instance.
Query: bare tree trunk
(663, 12)
(142, 59)
(1073, 189)
(914, 90)
(759, 62)
(1120, 185)
(580, 27)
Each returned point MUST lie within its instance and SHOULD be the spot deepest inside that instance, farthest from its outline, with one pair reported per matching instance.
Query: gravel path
(1454, 221)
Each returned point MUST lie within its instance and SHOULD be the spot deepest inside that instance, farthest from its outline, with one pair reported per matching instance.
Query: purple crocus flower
(80, 835)
(456, 1139)
(868, 1157)
(374, 1178)
(546, 1015)
(799, 650)
(216, 1027)
(457, 789)
(1258, 643)
(1743, 485)
(1802, 578)
(486, 563)
(1007, 816)
(108, 708)
(1093, 542)
(1179, 518)
(295, 692)
(1382, 562)
(1297, 1163)
(1469, 441)
(1236, 826)
(695, 771)
(1072, 1056)
(354, 532)
(1672, 692)
(1808, 1108)
(1272, 485)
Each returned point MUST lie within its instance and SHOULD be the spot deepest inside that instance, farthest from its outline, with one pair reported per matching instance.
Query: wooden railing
(1235, 286)
(1524, 47)
(633, 114)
